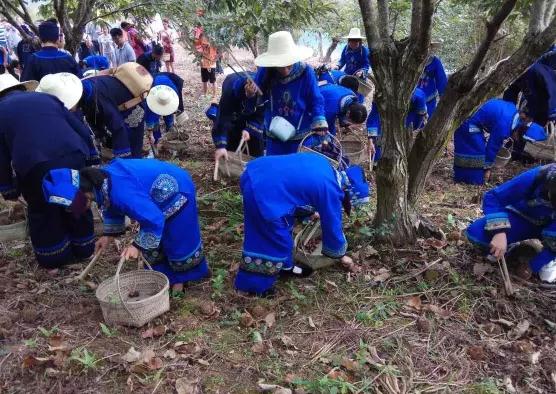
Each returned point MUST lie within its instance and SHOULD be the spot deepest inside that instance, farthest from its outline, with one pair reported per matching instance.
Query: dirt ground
(429, 318)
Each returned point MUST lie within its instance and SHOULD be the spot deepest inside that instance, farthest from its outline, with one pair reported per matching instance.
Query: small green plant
(296, 293)
(47, 333)
(107, 331)
(189, 335)
(177, 295)
(376, 316)
(326, 385)
(217, 282)
(30, 343)
(451, 221)
(88, 360)
(487, 386)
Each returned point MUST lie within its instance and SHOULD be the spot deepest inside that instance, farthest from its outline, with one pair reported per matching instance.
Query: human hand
(245, 135)
(499, 245)
(250, 89)
(220, 153)
(488, 174)
(130, 253)
(102, 243)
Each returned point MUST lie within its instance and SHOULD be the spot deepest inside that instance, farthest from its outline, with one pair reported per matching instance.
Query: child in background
(209, 54)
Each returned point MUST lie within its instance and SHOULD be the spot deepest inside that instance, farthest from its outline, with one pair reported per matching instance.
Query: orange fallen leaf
(270, 319)
(414, 302)
(436, 310)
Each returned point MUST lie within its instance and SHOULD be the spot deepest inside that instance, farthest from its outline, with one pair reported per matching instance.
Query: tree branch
(416, 12)
(12, 21)
(536, 20)
(124, 9)
(424, 37)
(383, 19)
(368, 12)
(492, 30)
(549, 12)
(27, 17)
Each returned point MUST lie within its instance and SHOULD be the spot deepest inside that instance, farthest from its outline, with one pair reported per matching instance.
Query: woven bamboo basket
(237, 161)
(354, 148)
(366, 88)
(134, 298)
(543, 150)
(174, 141)
(314, 259)
(334, 161)
(16, 231)
(504, 155)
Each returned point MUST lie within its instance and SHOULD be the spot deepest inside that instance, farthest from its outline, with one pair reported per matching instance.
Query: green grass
(86, 359)
(376, 316)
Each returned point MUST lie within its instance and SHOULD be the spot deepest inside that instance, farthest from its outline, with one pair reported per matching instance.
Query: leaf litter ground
(406, 320)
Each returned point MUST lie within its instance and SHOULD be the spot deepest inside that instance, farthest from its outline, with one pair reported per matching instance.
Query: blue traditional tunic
(472, 152)
(297, 99)
(101, 97)
(433, 82)
(234, 116)
(275, 190)
(415, 120)
(161, 197)
(337, 99)
(355, 60)
(48, 60)
(538, 85)
(521, 208)
(31, 145)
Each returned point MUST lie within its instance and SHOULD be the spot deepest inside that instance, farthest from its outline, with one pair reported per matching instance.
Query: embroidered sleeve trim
(497, 221)
(146, 240)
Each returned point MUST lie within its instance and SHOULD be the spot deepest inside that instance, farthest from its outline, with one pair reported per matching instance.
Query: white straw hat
(282, 51)
(66, 86)
(354, 34)
(8, 81)
(163, 100)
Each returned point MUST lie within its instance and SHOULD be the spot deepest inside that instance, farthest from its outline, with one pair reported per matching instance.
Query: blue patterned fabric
(161, 197)
(26, 141)
(102, 96)
(472, 152)
(49, 60)
(355, 60)
(60, 186)
(96, 62)
(332, 76)
(336, 102)
(433, 82)
(358, 187)
(296, 98)
(521, 209)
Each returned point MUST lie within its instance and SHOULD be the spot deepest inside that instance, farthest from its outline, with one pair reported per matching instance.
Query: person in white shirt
(123, 53)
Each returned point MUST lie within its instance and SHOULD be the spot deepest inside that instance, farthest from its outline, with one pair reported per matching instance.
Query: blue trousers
(276, 147)
(58, 238)
(267, 246)
(521, 229)
(180, 256)
(469, 156)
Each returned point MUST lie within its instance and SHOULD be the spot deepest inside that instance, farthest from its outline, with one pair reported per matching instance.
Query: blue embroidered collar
(297, 70)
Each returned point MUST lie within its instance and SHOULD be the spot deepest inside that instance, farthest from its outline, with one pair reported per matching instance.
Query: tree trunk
(320, 44)
(331, 49)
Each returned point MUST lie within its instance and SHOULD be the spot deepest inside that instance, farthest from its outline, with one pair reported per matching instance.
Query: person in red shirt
(133, 37)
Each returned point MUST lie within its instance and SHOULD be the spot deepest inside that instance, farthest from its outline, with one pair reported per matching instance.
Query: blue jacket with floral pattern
(146, 190)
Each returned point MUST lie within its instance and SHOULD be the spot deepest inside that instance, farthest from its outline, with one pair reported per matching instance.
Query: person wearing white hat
(163, 100)
(433, 81)
(355, 58)
(295, 105)
(65, 86)
(30, 145)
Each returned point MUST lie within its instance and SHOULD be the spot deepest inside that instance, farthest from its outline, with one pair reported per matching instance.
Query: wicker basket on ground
(13, 223)
(504, 155)
(134, 298)
(308, 247)
(236, 162)
(354, 148)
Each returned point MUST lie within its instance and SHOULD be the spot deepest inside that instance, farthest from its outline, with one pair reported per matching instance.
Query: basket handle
(118, 271)
(336, 141)
(242, 148)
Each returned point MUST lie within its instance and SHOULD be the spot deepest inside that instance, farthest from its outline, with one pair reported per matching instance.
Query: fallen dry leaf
(258, 312)
(534, 359)
(187, 386)
(509, 385)
(131, 356)
(423, 324)
(414, 302)
(170, 353)
(476, 353)
(329, 282)
(209, 309)
(522, 346)
(31, 361)
(154, 332)
(155, 363)
(434, 244)
(311, 322)
(519, 330)
(270, 319)
(504, 322)
(382, 275)
(187, 348)
(336, 374)
(261, 347)
(350, 365)
(203, 362)
(492, 329)
(480, 269)
(273, 388)
(287, 341)
(436, 310)
(246, 320)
